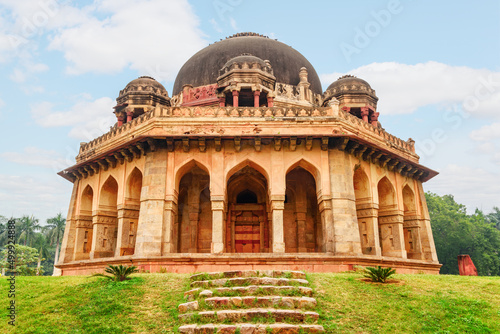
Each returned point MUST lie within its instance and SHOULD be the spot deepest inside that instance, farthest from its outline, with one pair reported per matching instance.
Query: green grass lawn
(347, 304)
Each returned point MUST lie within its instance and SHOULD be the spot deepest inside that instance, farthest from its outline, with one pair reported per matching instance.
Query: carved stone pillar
(83, 238)
(277, 208)
(368, 228)
(325, 209)
(120, 118)
(235, 98)
(103, 235)
(364, 114)
(270, 101)
(130, 114)
(222, 101)
(168, 245)
(391, 234)
(127, 231)
(412, 238)
(300, 214)
(374, 118)
(218, 226)
(256, 98)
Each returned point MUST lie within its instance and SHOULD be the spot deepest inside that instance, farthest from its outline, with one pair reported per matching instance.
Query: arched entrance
(247, 228)
(301, 217)
(194, 219)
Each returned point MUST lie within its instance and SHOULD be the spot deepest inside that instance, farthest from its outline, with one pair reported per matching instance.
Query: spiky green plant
(378, 274)
(120, 273)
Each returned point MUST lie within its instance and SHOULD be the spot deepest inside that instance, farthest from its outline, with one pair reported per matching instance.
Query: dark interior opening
(246, 197)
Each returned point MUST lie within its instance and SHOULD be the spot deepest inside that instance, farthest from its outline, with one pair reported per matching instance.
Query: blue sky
(433, 64)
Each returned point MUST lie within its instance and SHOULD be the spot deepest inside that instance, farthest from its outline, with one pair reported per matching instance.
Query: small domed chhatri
(247, 158)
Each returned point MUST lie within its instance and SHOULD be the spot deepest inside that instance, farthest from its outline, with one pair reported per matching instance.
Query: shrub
(120, 273)
(378, 274)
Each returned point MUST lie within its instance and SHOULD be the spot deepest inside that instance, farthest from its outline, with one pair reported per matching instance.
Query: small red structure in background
(465, 266)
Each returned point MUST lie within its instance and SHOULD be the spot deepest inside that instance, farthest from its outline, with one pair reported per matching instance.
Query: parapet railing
(277, 113)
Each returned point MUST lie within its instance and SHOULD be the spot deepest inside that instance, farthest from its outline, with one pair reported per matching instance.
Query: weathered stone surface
(287, 302)
(311, 315)
(201, 284)
(307, 303)
(227, 329)
(231, 315)
(191, 306)
(187, 329)
(205, 329)
(191, 294)
(207, 315)
(219, 282)
(313, 328)
(217, 302)
(248, 329)
(305, 291)
(284, 328)
(236, 301)
(268, 281)
(206, 293)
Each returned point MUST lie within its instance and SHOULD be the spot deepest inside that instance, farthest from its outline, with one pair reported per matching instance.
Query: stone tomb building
(249, 165)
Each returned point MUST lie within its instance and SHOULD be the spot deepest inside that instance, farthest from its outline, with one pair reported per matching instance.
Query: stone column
(168, 245)
(364, 113)
(270, 101)
(325, 209)
(130, 114)
(235, 98)
(300, 213)
(83, 238)
(119, 118)
(218, 225)
(374, 118)
(194, 210)
(345, 224)
(391, 234)
(368, 228)
(149, 231)
(277, 208)
(103, 235)
(256, 97)
(426, 237)
(127, 229)
(222, 101)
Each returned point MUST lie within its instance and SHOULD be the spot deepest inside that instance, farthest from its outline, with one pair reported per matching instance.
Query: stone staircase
(249, 302)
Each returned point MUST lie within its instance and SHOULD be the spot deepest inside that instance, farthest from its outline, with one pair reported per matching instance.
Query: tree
(27, 227)
(43, 247)
(494, 217)
(55, 231)
(25, 260)
(457, 233)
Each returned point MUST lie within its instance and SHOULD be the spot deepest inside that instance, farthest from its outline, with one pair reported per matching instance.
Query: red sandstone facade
(254, 168)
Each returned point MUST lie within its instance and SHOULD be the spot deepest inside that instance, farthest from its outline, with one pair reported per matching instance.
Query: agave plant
(378, 274)
(120, 273)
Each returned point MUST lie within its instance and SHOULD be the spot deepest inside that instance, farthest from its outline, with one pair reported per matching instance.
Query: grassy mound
(346, 303)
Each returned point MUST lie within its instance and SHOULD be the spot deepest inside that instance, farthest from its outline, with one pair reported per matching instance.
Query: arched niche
(390, 221)
(411, 226)
(105, 230)
(366, 213)
(131, 210)
(301, 217)
(83, 236)
(247, 230)
(194, 215)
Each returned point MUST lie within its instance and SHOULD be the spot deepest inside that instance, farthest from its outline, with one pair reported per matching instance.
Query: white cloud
(43, 197)
(404, 88)
(34, 156)
(486, 133)
(20, 74)
(153, 37)
(88, 118)
(475, 187)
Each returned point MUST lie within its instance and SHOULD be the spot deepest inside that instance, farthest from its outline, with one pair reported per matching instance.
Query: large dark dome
(203, 68)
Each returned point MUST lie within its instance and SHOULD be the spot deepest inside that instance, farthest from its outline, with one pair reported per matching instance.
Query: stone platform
(309, 262)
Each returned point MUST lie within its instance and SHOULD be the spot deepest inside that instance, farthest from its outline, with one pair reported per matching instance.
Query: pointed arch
(109, 194)
(250, 163)
(193, 226)
(308, 166)
(386, 194)
(366, 214)
(409, 201)
(186, 167)
(134, 186)
(86, 201)
(301, 217)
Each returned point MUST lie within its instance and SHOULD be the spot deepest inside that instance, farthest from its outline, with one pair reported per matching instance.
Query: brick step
(214, 303)
(251, 329)
(249, 273)
(242, 281)
(248, 290)
(269, 314)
